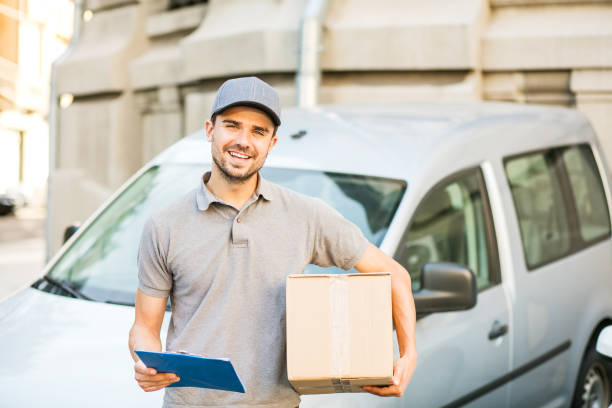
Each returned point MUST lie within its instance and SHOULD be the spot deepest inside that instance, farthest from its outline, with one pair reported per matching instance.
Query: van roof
(395, 140)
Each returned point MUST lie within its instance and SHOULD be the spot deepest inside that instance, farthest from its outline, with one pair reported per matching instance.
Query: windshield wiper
(66, 287)
(119, 302)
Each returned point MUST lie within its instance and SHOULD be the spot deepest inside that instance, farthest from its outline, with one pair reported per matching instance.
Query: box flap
(332, 275)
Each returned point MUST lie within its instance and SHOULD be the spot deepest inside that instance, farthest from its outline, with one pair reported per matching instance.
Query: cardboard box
(339, 332)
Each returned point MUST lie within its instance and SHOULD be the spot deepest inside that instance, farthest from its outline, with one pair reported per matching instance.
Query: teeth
(241, 156)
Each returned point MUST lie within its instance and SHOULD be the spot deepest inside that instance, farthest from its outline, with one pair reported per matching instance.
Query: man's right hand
(150, 380)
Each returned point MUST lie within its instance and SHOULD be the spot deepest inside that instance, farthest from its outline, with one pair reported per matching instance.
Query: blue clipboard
(194, 371)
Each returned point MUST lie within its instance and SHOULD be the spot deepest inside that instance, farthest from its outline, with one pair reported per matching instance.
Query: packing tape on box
(340, 333)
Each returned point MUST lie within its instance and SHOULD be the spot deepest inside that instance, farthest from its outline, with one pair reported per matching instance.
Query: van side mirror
(69, 231)
(445, 287)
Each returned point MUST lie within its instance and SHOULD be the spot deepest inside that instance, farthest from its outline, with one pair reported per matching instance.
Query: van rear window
(559, 200)
(541, 211)
(588, 193)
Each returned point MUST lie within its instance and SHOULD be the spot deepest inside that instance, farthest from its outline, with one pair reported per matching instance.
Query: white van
(516, 194)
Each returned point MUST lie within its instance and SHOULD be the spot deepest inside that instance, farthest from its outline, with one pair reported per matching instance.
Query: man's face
(241, 138)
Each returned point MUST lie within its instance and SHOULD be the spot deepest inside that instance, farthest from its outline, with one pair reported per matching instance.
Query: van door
(461, 354)
(562, 214)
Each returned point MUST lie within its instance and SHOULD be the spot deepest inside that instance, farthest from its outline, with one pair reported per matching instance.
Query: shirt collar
(264, 189)
(204, 197)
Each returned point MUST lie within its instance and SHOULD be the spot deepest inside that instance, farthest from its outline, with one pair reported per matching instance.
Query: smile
(239, 155)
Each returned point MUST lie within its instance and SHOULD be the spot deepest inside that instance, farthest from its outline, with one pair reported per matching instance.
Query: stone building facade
(144, 72)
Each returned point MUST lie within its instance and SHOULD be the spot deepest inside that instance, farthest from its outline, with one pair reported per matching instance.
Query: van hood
(63, 352)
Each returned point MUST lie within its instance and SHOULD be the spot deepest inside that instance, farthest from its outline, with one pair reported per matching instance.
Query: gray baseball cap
(249, 91)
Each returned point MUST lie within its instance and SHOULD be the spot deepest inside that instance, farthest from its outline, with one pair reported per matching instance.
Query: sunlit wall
(33, 33)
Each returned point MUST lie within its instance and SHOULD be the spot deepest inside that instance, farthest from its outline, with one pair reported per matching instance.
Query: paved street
(22, 249)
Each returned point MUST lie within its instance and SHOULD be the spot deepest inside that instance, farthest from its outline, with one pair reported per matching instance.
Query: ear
(273, 142)
(209, 128)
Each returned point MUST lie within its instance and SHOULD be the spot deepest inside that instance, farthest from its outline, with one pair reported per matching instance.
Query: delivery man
(223, 252)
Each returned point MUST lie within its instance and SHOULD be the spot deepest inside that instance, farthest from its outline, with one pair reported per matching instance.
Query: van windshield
(101, 263)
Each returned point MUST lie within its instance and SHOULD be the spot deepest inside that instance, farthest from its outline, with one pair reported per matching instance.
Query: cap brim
(275, 119)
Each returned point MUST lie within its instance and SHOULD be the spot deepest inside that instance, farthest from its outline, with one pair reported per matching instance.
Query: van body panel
(55, 354)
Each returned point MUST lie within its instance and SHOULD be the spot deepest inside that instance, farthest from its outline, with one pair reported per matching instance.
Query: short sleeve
(154, 278)
(337, 241)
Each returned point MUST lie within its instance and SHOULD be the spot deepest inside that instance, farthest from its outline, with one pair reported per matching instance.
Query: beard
(232, 177)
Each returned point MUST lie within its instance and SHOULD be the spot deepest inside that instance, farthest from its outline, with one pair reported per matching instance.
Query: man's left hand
(403, 368)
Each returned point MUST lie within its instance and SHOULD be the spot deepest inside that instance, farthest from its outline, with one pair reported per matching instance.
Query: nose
(242, 138)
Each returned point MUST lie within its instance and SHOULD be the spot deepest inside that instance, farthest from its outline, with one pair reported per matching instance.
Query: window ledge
(170, 22)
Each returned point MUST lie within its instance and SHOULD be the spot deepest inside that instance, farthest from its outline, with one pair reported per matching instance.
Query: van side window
(538, 199)
(588, 193)
(449, 225)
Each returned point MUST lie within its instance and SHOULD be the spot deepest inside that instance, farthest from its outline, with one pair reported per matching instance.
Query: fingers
(157, 378)
(154, 386)
(402, 372)
(399, 371)
(141, 368)
(150, 380)
(393, 390)
(390, 391)
(157, 384)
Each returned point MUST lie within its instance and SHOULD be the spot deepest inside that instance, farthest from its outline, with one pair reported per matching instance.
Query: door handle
(497, 330)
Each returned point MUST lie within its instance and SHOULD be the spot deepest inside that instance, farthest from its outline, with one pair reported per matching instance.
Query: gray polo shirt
(225, 269)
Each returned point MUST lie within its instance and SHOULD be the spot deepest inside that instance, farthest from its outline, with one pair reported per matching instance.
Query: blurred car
(515, 194)
(7, 205)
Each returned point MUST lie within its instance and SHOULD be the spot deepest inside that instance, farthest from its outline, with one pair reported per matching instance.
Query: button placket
(239, 237)
(239, 229)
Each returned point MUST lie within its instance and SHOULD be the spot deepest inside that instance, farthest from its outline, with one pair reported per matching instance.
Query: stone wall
(144, 76)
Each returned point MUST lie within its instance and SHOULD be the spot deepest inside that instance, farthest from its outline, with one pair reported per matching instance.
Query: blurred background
(131, 77)
(33, 34)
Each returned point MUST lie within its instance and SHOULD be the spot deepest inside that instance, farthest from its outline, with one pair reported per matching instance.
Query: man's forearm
(142, 338)
(404, 317)
(404, 314)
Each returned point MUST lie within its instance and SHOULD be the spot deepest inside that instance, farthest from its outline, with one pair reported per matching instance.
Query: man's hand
(144, 335)
(403, 368)
(150, 380)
